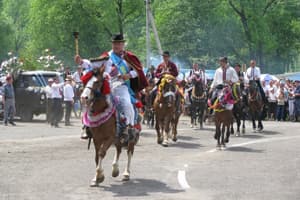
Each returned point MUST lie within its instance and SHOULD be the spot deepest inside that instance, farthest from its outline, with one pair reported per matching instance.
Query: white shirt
(231, 75)
(68, 92)
(202, 75)
(76, 77)
(253, 73)
(48, 91)
(272, 93)
(57, 90)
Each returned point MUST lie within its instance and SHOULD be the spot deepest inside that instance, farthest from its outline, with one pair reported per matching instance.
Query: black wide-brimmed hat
(166, 53)
(118, 38)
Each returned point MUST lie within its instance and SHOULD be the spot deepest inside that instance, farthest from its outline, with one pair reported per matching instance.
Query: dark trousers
(48, 110)
(280, 112)
(56, 111)
(263, 95)
(68, 107)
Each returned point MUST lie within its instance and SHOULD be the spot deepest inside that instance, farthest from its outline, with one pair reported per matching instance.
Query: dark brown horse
(198, 102)
(104, 130)
(223, 120)
(256, 106)
(164, 107)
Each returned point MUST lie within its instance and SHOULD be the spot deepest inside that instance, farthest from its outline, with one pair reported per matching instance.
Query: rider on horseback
(165, 68)
(124, 71)
(225, 75)
(253, 74)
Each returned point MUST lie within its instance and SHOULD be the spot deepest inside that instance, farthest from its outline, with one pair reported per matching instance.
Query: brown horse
(223, 120)
(164, 107)
(256, 106)
(104, 130)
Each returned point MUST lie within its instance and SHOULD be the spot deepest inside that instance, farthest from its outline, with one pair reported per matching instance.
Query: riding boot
(84, 134)
(131, 134)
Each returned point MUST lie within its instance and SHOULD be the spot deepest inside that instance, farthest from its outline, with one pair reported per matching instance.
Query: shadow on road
(185, 145)
(270, 132)
(252, 136)
(244, 149)
(139, 187)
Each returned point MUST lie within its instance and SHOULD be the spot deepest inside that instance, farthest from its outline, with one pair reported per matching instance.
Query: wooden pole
(76, 34)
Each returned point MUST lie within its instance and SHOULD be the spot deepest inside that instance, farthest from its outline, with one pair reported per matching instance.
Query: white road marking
(182, 180)
(258, 142)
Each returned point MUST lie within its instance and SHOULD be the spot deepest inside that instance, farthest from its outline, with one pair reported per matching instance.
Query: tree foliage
(193, 31)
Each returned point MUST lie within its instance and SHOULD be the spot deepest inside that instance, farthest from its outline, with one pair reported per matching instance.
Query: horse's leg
(99, 177)
(115, 164)
(253, 122)
(126, 174)
(231, 128)
(158, 127)
(244, 127)
(238, 125)
(166, 131)
(192, 116)
(260, 125)
(174, 129)
(201, 116)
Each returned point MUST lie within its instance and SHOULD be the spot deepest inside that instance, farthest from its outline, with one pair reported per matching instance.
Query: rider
(196, 71)
(253, 73)
(126, 78)
(224, 75)
(166, 67)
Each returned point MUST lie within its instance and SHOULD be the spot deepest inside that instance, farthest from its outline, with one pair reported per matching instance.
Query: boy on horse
(225, 75)
(126, 77)
(166, 68)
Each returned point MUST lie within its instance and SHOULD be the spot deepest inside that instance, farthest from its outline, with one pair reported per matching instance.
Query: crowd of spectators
(283, 99)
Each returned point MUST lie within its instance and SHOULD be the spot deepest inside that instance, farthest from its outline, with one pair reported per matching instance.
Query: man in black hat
(166, 67)
(126, 79)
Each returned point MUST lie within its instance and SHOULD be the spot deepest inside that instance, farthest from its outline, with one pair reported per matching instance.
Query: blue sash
(123, 69)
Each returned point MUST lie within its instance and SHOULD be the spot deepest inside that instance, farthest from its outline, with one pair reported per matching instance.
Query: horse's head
(252, 86)
(198, 84)
(97, 100)
(169, 91)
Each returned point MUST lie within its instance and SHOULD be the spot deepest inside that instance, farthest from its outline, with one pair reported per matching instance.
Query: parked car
(30, 92)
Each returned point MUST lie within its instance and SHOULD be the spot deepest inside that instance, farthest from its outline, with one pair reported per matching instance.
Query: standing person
(272, 102)
(224, 75)
(126, 79)
(9, 101)
(56, 102)
(48, 90)
(77, 75)
(253, 74)
(68, 99)
(297, 101)
(67, 72)
(291, 101)
(280, 102)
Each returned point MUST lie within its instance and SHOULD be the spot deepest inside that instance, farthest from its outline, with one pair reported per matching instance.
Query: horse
(256, 105)
(147, 100)
(239, 109)
(198, 101)
(102, 119)
(164, 106)
(223, 120)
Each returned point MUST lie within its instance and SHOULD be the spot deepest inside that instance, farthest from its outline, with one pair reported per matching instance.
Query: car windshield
(32, 81)
(47, 76)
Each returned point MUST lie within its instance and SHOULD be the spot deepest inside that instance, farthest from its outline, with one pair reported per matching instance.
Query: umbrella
(268, 77)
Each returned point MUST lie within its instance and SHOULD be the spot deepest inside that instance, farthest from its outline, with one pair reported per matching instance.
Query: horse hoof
(159, 141)
(223, 147)
(226, 140)
(97, 181)
(126, 177)
(165, 144)
(115, 171)
(174, 139)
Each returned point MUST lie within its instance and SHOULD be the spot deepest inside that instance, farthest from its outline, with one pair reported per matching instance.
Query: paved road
(38, 162)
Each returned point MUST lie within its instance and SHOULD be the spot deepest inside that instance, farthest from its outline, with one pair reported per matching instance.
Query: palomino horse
(101, 120)
(198, 101)
(256, 106)
(164, 107)
(239, 109)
